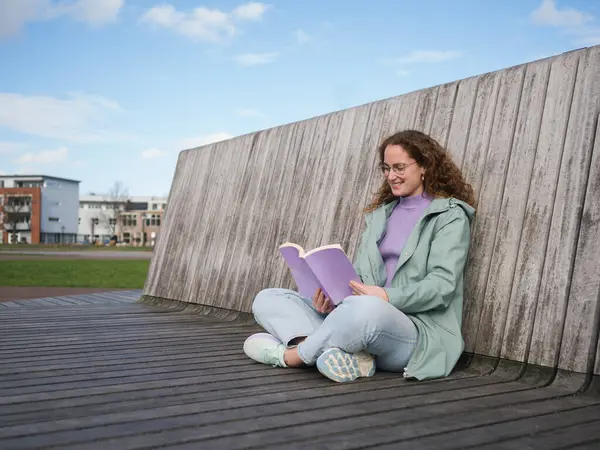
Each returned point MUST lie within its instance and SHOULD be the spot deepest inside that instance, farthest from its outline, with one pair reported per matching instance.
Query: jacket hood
(449, 202)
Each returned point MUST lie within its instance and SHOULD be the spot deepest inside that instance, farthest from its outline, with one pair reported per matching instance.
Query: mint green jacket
(428, 282)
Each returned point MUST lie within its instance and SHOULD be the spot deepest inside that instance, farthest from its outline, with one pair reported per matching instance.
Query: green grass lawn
(127, 274)
(68, 247)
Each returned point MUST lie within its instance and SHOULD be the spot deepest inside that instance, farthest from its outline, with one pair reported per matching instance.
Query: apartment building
(38, 209)
(134, 220)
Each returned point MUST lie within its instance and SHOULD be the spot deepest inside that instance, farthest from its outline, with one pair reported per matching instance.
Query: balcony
(20, 226)
(17, 209)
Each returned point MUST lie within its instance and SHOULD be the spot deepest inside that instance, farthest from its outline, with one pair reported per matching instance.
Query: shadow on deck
(102, 371)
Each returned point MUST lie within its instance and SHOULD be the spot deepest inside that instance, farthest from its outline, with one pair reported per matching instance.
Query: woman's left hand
(363, 289)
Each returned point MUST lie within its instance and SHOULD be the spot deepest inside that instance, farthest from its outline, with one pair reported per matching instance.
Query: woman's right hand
(321, 303)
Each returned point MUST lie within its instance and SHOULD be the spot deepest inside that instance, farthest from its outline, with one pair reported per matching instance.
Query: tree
(16, 209)
(117, 197)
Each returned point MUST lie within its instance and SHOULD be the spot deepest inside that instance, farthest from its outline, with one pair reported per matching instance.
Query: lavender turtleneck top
(400, 224)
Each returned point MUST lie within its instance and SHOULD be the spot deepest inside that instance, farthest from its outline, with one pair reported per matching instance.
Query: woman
(406, 314)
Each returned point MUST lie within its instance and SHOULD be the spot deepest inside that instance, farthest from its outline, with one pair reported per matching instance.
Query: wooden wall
(523, 136)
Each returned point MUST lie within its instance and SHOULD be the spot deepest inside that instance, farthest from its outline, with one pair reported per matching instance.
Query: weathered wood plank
(11, 304)
(566, 218)
(475, 428)
(462, 115)
(538, 212)
(580, 338)
(521, 120)
(261, 243)
(426, 106)
(216, 221)
(174, 250)
(574, 436)
(263, 430)
(156, 386)
(293, 178)
(323, 229)
(408, 112)
(490, 197)
(473, 168)
(361, 156)
(597, 366)
(443, 112)
(224, 178)
(293, 225)
(243, 211)
(314, 217)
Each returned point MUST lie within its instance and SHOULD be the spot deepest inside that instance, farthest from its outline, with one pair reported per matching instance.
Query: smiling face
(402, 172)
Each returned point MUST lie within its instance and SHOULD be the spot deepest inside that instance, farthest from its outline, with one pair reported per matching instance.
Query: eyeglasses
(397, 168)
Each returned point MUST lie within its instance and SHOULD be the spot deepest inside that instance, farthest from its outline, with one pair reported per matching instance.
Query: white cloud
(14, 14)
(570, 21)
(44, 157)
(426, 56)
(206, 139)
(250, 11)
(246, 112)
(255, 59)
(95, 12)
(203, 24)
(549, 14)
(77, 118)
(153, 153)
(301, 36)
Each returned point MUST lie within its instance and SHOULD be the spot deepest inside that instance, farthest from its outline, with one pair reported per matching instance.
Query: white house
(101, 217)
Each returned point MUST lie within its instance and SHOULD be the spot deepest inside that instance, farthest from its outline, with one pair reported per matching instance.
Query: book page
(334, 270)
(303, 276)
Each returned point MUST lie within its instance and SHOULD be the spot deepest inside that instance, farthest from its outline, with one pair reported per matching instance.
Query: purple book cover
(327, 267)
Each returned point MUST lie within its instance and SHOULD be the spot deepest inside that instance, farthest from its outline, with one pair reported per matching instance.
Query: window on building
(155, 206)
(79, 221)
(53, 219)
(18, 201)
(129, 220)
(1, 183)
(29, 184)
(112, 221)
(153, 220)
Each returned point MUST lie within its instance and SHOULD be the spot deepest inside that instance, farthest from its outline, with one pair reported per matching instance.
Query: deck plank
(127, 375)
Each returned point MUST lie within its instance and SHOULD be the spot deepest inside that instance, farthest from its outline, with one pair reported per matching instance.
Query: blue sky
(107, 90)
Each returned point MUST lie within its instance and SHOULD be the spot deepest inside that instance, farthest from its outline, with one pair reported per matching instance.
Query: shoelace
(270, 354)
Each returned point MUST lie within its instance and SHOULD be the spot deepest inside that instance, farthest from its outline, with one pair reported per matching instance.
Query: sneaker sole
(340, 366)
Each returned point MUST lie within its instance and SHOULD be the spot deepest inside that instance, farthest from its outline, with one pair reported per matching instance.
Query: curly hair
(442, 177)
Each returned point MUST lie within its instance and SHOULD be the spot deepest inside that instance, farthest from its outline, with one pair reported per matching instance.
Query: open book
(326, 267)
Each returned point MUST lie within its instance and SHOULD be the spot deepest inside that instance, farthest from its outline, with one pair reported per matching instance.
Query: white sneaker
(266, 349)
(339, 366)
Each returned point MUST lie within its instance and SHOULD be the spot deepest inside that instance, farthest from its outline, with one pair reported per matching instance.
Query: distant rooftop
(132, 198)
(38, 177)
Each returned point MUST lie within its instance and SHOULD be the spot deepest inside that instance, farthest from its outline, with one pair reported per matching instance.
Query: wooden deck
(104, 372)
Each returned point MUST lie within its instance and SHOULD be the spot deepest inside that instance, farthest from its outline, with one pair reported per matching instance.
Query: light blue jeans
(359, 323)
